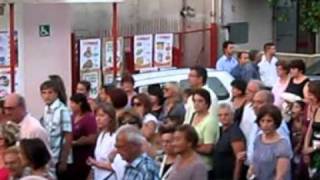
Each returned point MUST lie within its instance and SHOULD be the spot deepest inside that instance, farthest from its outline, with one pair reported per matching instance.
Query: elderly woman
(272, 152)
(229, 145)
(173, 105)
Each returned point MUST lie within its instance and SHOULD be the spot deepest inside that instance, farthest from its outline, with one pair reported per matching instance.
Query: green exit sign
(44, 30)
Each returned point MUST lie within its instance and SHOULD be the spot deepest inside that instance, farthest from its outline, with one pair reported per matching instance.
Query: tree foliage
(309, 14)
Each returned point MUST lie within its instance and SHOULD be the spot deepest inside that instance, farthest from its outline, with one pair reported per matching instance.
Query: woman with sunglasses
(173, 105)
(106, 164)
(142, 105)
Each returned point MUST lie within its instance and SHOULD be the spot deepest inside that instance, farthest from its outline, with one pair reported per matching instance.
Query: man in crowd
(227, 62)
(129, 143)
(57, 122)
(197, 79)
(30, 127)
(267, 65)
(260, 99)
(245, 70)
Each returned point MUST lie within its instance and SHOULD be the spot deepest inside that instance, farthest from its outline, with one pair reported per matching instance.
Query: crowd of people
(269, 130)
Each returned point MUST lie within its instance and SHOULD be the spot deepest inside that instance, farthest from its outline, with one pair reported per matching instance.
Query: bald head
(15, 107)
(262, 98)
(252, 88)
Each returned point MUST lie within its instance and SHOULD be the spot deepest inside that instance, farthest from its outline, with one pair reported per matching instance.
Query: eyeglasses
(9, 107)
(137, 104)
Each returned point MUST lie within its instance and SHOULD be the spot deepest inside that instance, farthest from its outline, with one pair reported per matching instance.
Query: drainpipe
(216, 4)
(182, 35)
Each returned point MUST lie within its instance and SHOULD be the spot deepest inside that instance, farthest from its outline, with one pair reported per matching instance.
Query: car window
(215, 84)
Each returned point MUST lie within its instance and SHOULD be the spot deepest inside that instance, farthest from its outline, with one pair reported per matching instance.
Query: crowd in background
(269, 130)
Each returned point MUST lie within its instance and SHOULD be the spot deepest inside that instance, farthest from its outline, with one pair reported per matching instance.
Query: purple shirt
(85, 127)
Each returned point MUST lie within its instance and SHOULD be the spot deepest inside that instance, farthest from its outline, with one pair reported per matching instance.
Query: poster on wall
(108, 63)
(95, 79)
(143, 45)
(5, 48)
(5, 81)
(90, 54)
(163, 50)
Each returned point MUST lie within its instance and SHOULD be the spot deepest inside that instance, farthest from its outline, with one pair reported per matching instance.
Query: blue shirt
(245, 72)
(57, 121)
(226, 64)
(142, 168)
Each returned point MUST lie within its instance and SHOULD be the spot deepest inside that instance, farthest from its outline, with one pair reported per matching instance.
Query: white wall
(259, 16)
(45, 56)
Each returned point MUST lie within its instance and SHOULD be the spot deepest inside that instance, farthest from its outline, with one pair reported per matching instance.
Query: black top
(224, 158)
(296, 89)
(238, 114)
(165, 169)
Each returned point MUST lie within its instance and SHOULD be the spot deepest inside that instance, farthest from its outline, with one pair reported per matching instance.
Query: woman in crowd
(229, 145)
(205, 125)
(312, 138)
(173, 105)
(119, 100)
(142, 105)
(298, 80)
(104, 96)
(156, 98)
(272, 152)
(127, 84)
(130, 117)
(62, 95)
(84, 135)
(106, 164)
(238, 98)
(8, 138)
(188, 166)
(281, 83)
(298, 128)
(169, 157)
(35, 155)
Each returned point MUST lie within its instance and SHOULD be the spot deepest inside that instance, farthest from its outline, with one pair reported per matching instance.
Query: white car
(218, 81)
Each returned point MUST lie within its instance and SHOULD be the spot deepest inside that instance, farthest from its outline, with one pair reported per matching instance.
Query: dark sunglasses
(137, 104)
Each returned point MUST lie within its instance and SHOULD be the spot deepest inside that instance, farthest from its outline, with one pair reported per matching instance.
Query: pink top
(4, 174)
(277, 91)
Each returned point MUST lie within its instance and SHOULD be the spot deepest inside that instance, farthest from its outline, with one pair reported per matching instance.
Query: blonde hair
(174, 86)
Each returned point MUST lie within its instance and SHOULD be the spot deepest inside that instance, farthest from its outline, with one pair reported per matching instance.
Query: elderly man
(129, 143)
(16, 111)
(260, 99)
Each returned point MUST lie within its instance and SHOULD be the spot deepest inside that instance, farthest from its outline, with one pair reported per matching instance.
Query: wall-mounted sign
(143, 45)
(163, 46)
(44, 30)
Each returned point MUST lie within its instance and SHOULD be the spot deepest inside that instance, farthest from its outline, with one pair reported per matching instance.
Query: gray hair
(228, 107)
(258, 83)
(132, 133)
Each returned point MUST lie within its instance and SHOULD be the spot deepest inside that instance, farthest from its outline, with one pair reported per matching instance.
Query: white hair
(228, 107)
(132, 133)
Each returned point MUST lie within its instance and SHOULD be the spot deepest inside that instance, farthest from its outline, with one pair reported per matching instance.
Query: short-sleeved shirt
(85, 127)
(265, 158)
(194, 171)
(57, 121)
(208, 133)
(142, 168)
(268, 71)
(224, 158)
(225, 63)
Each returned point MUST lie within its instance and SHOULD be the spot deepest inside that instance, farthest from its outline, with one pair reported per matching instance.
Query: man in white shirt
(249, 117)
(30, 127)
(267, 65)
(197, 79)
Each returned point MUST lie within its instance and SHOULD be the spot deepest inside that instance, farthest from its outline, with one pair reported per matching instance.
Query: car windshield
(314, 69)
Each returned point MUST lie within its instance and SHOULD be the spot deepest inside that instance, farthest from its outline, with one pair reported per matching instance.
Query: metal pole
(12, 47)
(114, 38)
